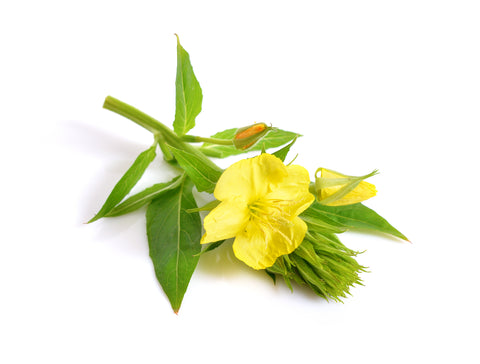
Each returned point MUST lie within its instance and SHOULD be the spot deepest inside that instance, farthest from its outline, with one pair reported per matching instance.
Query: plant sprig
(174, 227)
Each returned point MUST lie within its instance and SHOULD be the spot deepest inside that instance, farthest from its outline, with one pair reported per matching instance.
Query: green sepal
(174, 240)
(323, 264)
(127, 182)
(281, 267)
(189, 96)
(203, 175)
(142, 198)
(273, 139)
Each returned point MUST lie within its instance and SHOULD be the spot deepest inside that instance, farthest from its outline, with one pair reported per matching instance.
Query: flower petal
(259, 246)
(293, 191)
(250, 178)
(359, 189)
(225, 221)
(362, 192)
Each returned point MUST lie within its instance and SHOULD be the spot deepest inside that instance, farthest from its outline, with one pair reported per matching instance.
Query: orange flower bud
(247, 136)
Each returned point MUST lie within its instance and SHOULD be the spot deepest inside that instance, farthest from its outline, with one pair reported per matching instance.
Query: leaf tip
(93, 219)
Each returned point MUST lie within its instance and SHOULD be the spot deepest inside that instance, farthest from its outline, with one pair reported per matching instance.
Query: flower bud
(247, 136)
(325, 265)
(336, 189)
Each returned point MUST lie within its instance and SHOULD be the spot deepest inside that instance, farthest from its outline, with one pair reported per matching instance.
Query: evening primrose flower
(336, 189)
(261, 199)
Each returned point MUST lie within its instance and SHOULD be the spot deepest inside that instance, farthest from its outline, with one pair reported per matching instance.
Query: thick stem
(155, 127)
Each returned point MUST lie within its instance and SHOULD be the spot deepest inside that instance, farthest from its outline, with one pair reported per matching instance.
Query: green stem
(155, 127)
(198, 139)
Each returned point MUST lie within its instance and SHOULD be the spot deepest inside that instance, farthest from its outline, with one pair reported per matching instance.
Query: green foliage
(325, 265)
(282, 153)
(174, 228)
(142, 198)
(174, 240)
(358, 216)
(321, 261)
(127, 182)
(273, 139)
(203, 175)
(189, 96)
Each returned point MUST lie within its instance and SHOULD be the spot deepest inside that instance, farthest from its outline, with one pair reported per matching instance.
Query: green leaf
(360, 217)
(126, 183)
(204, 176)
(282, 153)
(142, 198)
(273, 139)
(211, 247)
(174, 240)
(188, 100)
(318, 221)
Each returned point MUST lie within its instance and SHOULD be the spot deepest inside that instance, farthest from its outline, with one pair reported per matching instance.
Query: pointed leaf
(359, 216)
(127, 182)
(174, 240)
(211, 247)
(318, 221)
(282, 153)
(142, 198)
(205, 176)
(273, 139)
(189, 96)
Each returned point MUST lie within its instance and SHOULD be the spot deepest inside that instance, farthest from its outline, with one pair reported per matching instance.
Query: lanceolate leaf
(318, 221)
(274, 138)
(142, 198)
(126, 183)
(282, 153)
(174, 240)
(188, 94)
(205, 176)
(359, 216)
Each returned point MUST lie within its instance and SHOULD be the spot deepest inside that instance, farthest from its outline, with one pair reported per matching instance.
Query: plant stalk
(156, 127)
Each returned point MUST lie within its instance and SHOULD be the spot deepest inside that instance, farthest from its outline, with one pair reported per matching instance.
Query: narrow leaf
(273, 139)
(142, 198)
(211, 247)
(189, 96)
(282, 153)
(359, 216)
(126, 183)
(203, 175)
(174, 240)
(318, 221)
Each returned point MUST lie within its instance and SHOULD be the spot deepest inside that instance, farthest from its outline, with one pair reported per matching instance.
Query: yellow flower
(336, 189)
(261, 199)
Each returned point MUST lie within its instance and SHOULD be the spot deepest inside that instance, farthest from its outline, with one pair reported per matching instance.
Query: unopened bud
(336, 189)
(247, 136)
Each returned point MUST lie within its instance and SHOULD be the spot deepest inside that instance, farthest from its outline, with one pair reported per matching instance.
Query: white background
(393, 85)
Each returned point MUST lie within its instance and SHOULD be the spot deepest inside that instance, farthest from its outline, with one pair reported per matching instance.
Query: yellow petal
(362, 192)
(250, 178)
(225, 221)
(337, 181)
(292, 191)
(259, 247)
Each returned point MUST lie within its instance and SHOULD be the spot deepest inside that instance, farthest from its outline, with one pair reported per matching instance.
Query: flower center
(271, 215)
